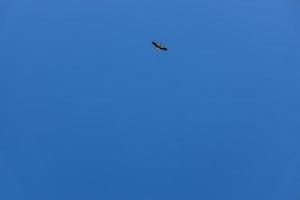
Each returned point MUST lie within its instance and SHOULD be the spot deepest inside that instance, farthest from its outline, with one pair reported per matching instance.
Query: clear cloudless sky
(90, 110)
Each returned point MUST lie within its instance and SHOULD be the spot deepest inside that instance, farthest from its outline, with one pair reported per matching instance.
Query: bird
(159, 46)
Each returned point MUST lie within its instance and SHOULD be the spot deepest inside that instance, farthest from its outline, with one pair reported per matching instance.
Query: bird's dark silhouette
(159, 46)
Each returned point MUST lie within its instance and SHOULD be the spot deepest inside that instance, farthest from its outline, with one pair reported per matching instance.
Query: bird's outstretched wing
(155, 44)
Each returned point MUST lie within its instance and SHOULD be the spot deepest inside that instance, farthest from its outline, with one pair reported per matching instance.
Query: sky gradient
(90, 110)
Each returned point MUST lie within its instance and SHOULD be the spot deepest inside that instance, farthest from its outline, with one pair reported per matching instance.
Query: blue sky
(89, 110)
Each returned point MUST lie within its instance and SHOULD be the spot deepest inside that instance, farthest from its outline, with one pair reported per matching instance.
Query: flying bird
(159, 46)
